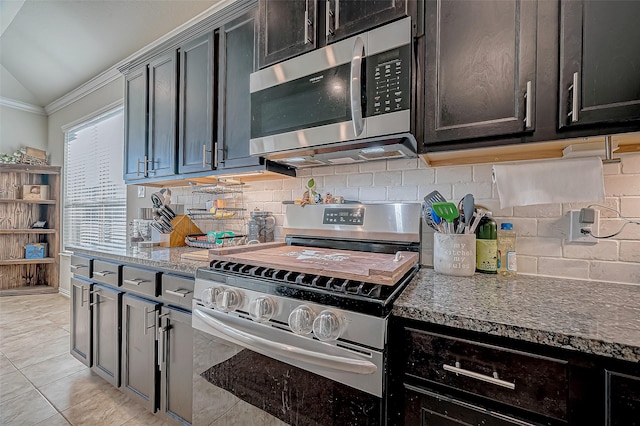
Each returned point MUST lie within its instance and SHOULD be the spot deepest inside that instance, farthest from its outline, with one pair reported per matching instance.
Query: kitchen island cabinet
(107, 322)
(80, 335)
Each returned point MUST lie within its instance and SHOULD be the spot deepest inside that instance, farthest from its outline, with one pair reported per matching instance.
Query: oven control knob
(262, 309)
(229, 300)
(301, 319)
(327, 326)
(209, 297)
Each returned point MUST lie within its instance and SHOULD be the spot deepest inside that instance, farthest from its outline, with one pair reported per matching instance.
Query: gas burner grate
(332, 284)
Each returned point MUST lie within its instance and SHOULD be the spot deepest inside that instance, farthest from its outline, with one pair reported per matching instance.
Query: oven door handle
(261, 345)
(356, 86)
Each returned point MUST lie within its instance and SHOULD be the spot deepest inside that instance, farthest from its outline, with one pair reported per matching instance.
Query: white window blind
(95, 202)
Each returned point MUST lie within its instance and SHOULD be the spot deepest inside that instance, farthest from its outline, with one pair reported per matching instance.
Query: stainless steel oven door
(250, 373)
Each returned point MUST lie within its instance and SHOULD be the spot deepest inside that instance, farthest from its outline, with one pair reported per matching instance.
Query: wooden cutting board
(378, 268)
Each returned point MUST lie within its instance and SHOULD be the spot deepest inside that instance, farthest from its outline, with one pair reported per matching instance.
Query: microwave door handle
(356, 86)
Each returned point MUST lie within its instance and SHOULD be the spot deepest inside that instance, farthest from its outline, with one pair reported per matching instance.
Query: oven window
(239, 386)
(311, 101)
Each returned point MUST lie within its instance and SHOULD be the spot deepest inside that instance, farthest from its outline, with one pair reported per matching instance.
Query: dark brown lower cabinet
(139, 325)
(80, 332)
(106, 314)
(425, 408)
(622, 399)
(175, 361)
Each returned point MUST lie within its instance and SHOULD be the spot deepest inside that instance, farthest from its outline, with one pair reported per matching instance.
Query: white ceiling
(50, 47)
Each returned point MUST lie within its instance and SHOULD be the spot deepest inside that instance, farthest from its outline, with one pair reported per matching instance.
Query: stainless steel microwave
(347, 102)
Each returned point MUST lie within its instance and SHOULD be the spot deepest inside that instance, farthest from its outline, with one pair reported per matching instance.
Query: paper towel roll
(552, 181)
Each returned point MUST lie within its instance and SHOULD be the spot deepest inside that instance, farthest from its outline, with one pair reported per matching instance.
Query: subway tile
(347, 169)
(630, 164)
(477, 189)
(565, 268)
(361, 179)
(622, 185)
(630, 207)
(557, 227)
(373, 194)
(407, 193)
(523, 227)
(304, 173)
(483, 173)
(629, 251)
(418, 177)
(611, 202)
(611, 169)
(603, 250)
(323, 171)
(526, 264)
(444, 189)
(615, 272)
(292, 183)
(282, 195)
(404, 164)
(352, 194)
(453, 174)
(493, 205)
(336, 181)
(537, 246)
(612, 226)
(372, 167)
(387, 178)
(539, 210)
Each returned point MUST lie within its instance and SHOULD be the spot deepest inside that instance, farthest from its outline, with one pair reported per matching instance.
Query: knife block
(182, 226)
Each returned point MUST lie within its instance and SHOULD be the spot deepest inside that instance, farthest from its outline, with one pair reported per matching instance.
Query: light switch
(141, 192)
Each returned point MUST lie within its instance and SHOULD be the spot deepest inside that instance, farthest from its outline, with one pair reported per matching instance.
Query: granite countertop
(165, 258)
(592, 317)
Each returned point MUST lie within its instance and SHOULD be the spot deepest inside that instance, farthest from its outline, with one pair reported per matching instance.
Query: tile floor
(41, 383)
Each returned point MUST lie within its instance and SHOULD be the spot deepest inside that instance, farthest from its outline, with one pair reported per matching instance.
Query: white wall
(20, 128)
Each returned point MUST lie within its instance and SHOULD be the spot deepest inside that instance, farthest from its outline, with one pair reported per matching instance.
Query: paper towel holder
(593, 149)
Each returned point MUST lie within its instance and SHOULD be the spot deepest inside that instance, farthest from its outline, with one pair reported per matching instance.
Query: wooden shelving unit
(17, 274)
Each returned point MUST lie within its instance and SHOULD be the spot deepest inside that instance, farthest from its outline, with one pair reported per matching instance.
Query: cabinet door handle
(161, 346)
(76, 267)
(328, 31)
(528, 105)
(135, 281)
(81, 297)
(493, 380)
(180, 292)
(145, 168)
(102, 273)
(336, 20)
(306, 25)
(215, 155)
(145, 322)
(204, 156)
(574, 90)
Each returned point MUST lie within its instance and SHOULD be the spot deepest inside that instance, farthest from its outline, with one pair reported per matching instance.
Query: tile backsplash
(541, 230)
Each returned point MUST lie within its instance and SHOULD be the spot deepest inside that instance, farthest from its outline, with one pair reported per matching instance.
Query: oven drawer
(520, 379)
(177, 291)
(106, 272)
(80, 266)
(141, 281)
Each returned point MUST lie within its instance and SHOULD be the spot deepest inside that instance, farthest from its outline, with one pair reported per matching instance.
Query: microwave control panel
(388, 81)
(343, 216)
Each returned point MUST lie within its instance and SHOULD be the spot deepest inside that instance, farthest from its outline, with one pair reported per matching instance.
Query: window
(95, 201)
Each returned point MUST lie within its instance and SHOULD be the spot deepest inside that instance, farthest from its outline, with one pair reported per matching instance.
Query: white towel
(552, 181)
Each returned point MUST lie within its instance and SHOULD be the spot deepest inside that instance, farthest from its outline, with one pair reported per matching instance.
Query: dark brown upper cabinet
(197, 118)
(237, 62)
(599, 62)
(287, 28)
(345, 18)
(480, 69)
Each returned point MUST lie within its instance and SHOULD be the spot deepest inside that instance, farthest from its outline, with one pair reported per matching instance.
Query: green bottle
(487, 246)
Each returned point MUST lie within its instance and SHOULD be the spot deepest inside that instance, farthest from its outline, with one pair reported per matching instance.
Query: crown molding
(22, 106)
(113, 74)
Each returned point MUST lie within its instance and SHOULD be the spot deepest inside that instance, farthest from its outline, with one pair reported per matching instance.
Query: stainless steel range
(295, 332)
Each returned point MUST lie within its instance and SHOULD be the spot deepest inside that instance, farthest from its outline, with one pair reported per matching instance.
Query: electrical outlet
(141, 192)
(576, 236)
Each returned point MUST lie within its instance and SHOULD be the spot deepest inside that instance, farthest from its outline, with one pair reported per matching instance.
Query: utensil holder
(454, 254)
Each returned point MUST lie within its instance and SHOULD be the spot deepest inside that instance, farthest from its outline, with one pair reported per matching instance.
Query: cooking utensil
(479, 214)
(434, 197)
(157, 199)
(427, 217)
(447, 211)
(468, 208)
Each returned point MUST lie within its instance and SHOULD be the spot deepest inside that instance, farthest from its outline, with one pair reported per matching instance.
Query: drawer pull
(180, 292)
(494, 380)
(103, 273)
(76, 267)
(135, 281)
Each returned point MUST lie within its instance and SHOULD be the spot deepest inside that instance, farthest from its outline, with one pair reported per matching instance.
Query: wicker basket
(34, 161)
